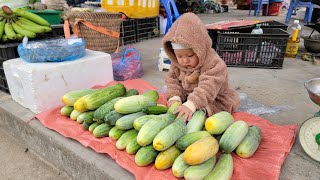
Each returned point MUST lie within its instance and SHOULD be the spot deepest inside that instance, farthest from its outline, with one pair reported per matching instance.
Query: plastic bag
(14, 4)
(58, 5)
(127, 64)
(52, 50)
(253, 107)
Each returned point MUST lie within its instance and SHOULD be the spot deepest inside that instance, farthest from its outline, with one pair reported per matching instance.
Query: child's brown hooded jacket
(206, 85)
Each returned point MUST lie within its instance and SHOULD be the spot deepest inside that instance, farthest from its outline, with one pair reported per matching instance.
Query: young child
(197, 77)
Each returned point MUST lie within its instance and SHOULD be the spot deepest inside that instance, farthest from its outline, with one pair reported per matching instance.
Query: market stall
(85, 86)
(276, 141)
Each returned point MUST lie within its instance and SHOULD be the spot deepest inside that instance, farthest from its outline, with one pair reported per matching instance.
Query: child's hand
(183, 111)
(171, 102)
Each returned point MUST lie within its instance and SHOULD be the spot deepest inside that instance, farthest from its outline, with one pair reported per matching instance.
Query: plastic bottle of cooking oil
(293, 26)
(293, 44)
(257, 29)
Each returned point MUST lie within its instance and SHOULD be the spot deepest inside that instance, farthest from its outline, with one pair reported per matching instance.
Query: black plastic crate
(147, 28)
(128, 32)
(245, 29)
(7, 51)
(57, 31)
(3, 81)
(273, 24)
(214, 33)
(251, 50)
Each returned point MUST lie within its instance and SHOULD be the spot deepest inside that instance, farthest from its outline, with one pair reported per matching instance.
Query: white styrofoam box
(40, 86)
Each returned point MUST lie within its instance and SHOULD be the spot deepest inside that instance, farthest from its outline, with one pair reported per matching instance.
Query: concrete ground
(18, 161)
(51, 156)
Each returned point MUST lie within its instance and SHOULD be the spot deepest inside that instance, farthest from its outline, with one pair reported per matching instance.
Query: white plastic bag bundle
(14, 3)
(58, 5)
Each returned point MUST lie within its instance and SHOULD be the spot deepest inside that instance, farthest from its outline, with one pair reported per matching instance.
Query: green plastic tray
(52, 16)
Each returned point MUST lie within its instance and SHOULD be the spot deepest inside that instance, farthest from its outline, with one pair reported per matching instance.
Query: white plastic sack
(14, 3)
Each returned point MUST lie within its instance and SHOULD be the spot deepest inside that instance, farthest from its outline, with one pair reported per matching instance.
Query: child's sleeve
(210, 83)
(174, 87)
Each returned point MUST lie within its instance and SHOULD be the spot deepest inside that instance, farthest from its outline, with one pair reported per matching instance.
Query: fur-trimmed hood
(189, 31)
(206, 85)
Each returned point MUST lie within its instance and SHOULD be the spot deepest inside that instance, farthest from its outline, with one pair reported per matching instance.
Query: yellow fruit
(201, 151)
(166, 158)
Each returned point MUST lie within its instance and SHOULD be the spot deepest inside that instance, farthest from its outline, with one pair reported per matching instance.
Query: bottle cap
(296, 21)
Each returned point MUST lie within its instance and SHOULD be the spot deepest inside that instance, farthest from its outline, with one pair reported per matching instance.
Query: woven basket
(96, 40)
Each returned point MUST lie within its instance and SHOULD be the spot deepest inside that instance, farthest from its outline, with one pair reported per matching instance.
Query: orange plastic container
(133, 8)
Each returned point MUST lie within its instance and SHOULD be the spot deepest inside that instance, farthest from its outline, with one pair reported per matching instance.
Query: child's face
(186, 58)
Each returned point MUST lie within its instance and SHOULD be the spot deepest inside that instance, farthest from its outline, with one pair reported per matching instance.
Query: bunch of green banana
(14, 25)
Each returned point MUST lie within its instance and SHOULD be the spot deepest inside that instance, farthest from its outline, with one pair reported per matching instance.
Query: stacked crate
(136, 30)
(147, 28)
(238, 47)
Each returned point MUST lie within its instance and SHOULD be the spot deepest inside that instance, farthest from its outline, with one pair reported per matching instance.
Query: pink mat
(264, 164)
(225, 25)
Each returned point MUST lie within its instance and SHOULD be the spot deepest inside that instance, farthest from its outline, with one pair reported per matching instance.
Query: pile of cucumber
(153, 134)
(15, 24)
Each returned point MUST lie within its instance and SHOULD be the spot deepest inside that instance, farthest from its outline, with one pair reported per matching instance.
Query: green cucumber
(103, 110)
(131, 92)
(126, 122)
(140, 121)
(152, 94)
(133, 146)
(93, 126)
(74, 115)
(173, 107)
(196, 122)
(101, 131)
(146, 155)
(223, 169)
(152, 127)
(85, 126)
(86, 117)
(188, 139)
(116, 133)
(179, 166)
(112, 117)
(71, 97)
(159, 109)
(232, 137)
(136, 103)
(66, 110)
(250, 143)
(99, 98)
(200, 171)
(126, 138)
(169, 135)
(219, 122)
